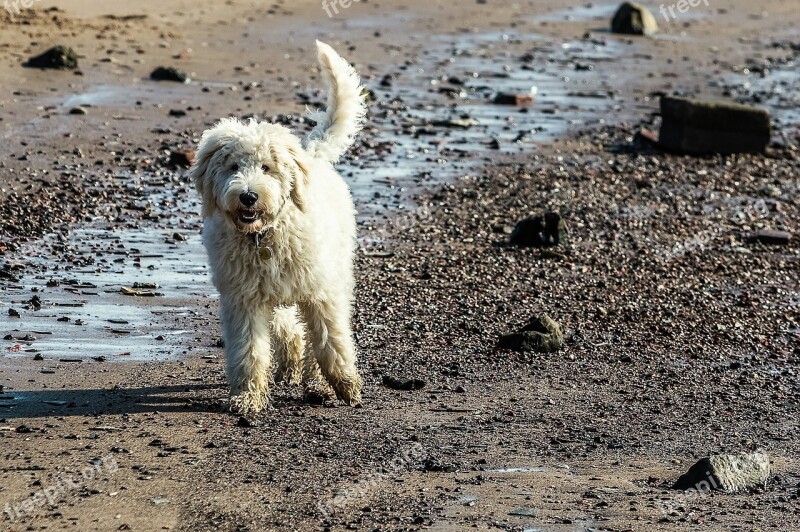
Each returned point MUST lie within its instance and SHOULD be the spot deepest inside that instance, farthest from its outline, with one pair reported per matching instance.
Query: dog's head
(249, 172)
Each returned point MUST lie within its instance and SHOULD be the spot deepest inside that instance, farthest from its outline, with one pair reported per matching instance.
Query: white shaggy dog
(280, 234)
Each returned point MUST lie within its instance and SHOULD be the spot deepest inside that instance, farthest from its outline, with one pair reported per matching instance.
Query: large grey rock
(699, 127)
(634, 19)
(727, 472)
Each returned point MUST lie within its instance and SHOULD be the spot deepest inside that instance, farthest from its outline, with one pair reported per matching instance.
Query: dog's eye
(235, 167)
(265, 168)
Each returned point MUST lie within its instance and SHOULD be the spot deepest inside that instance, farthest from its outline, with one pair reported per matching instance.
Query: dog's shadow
(115, 401)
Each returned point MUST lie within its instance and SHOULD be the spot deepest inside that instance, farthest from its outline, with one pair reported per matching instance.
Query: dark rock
(540, 334)
(434, 465)
(13, 313)
(177, 112)
(633, 19)
(541, 231)
(396, 383)
(57, 57)
(78, 111)
(24, 429)
(170, 74)
(700, 127)
(772, 237)
(246, 423)
(523, 99)
(181, 158)
(725, 472)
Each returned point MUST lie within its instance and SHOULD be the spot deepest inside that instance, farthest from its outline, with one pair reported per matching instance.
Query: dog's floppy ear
(211, 142)
(301, 176)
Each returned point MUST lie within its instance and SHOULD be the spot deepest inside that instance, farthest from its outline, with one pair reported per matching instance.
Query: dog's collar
(261, 239)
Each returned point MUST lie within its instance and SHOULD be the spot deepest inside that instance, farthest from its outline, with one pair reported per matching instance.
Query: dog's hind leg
(248, 353)
(288, 343)
(329, 332)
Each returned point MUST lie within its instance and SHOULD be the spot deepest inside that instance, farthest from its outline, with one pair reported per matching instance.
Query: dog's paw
(349, 389)
(246, 403)
(318, 392)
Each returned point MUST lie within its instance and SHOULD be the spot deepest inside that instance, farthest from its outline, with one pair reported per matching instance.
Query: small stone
(437, 466)
(520, 100)
(170, 74)
(78, 111)
(181, 158)
(177, 112)
(396, 383)
(725, 472)
(632, 18)
(57, 57)
(245, 423)
(14, 313)
(542, 334)
(540, 231)
(772, 237)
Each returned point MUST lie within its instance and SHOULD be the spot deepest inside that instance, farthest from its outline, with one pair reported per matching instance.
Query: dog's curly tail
(338, 125)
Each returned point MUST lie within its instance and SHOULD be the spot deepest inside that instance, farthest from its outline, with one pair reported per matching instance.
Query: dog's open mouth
(247, 216)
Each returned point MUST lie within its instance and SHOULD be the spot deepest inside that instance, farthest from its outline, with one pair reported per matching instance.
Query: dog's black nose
(248, 199)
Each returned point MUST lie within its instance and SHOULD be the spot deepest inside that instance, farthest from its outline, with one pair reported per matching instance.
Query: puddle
(777, 89)
(79, 279)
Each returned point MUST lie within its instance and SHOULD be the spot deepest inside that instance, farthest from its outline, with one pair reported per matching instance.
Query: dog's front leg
(248, 353)
(328, 324)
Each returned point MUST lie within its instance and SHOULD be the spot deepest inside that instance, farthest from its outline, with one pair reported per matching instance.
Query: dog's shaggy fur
(280, 234)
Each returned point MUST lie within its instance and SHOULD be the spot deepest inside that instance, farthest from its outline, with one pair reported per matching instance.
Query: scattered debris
(633, 18)
(542, 334)
(140, 293)
(725, 472)
(461, 123)
(702, 127)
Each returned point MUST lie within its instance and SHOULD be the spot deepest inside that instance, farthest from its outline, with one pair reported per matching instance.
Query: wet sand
(682, 335)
